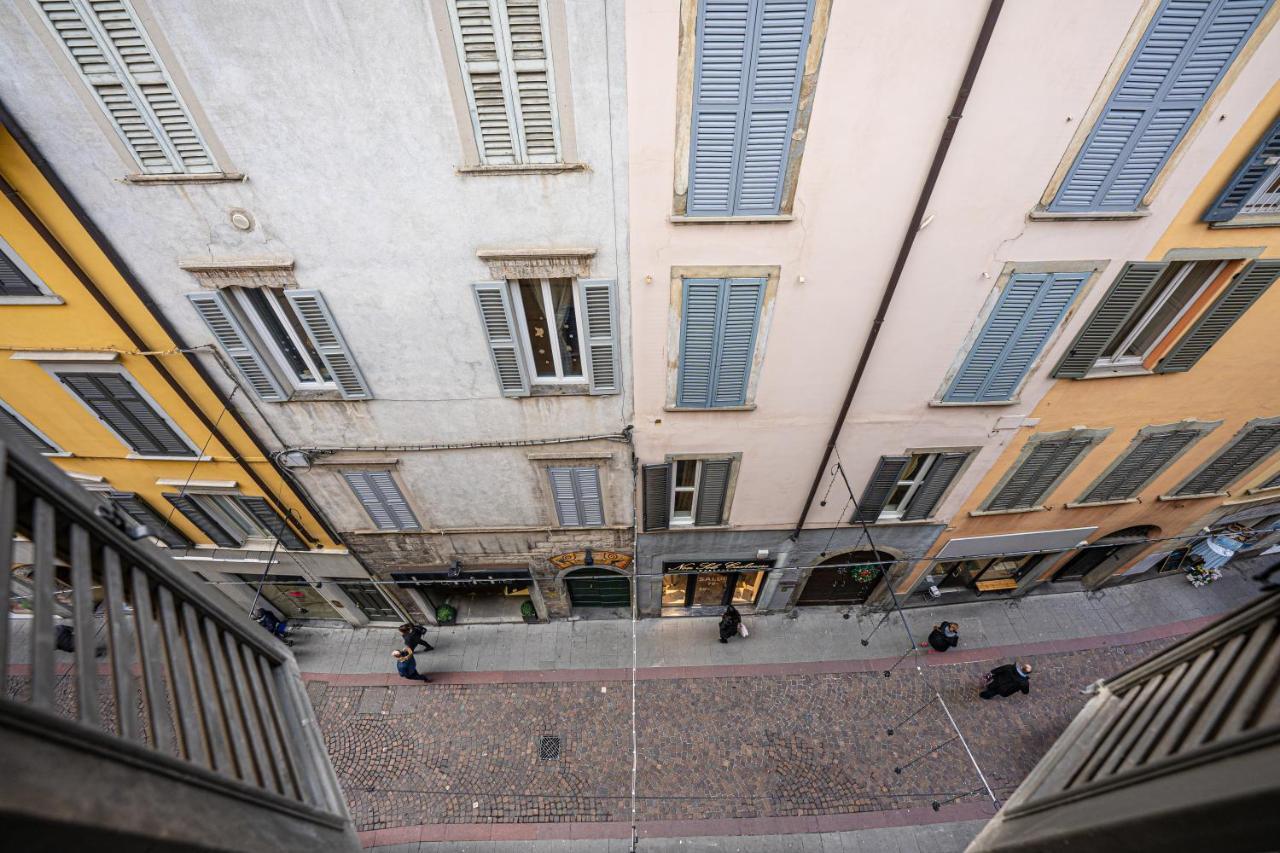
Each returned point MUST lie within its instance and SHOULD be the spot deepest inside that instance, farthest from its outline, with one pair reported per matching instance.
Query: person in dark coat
(406, 666)
(729, 622)
(1007, 680)
(412, 635)
(945, 635)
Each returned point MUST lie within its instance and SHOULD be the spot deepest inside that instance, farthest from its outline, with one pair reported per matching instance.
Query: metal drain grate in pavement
(549, 747)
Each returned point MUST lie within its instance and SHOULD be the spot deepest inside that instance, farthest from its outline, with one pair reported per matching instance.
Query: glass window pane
(747, 587)
(1143, 307)
(300, 333)
(539, 333)
(686, 473)
(913, 467)
(683, 504)
(566, 317)
(1173, 306)
(896, 497)
(279, 335)
(710, 590)
(673, 590)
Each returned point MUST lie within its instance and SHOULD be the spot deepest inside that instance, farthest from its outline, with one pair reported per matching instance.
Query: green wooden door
(598, 588)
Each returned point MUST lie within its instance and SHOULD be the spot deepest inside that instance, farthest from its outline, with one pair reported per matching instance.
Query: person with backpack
(413, 637)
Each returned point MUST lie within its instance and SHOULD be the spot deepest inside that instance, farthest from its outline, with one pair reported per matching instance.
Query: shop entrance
(371, 601)
(845, 578)
(595, 587)
(989, 574)
(292, 597)
(477, 595)
(1114, 550)
(711, 585)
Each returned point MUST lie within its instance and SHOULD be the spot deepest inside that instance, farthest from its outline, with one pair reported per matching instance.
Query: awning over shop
(467, 576)
(1217, 551)
(1015, 543)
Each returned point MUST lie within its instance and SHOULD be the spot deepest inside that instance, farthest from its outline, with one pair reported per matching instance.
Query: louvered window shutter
(121, 407)
(1174, 69)
(657, 497)
(599, 306)
(563, 496)
(1256, 444)
(713, 489)
(935, 485)
(1260, 162)
(13, 281)
(108, 46)
(272, 521)
(137, 509)
(576, 494)
(1146, 458)
(720, 321)
(238, 347)
(1273, 483)
(1019, 326)
(1229, 307)
(382, 500)
(886, 475)
(494, 301)
(205, 522)
(1127, 292)
(506, 63)
(318, 320)
(749, 63)
(13, 428)
(1040, 471)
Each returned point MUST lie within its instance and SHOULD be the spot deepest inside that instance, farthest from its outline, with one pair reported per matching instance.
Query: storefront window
(710, 589)
(967, 573)
(293, 598)
(747, 588)
(712, 583)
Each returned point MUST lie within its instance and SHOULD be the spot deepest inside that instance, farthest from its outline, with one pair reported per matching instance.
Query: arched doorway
(1106, 554)
(845, 578)
(593, 586)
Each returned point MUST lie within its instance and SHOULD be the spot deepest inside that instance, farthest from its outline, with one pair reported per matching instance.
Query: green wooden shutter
(120, 405)
(1145, 458)
(935, 485)
(657, 496)
(262, 510)
(1243, 291)
(137, 509)
(1126, 293)
(1254, 444)
(599, 306)
(237, 346)
(494, 303)
(318, 320)
(713, 488)
(1255, 168)
(1038, 474)
(885, 476)
(205, 522)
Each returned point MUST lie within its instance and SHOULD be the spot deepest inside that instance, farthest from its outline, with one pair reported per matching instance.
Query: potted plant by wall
(446, 614)
(528, 611)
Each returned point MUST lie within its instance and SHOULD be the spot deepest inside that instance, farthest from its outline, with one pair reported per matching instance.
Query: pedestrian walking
(1007, 680)
(729, 622)
(412, 635)
(945, 635)
(407, 667)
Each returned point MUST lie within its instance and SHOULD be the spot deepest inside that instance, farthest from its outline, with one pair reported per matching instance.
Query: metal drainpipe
(908, 240)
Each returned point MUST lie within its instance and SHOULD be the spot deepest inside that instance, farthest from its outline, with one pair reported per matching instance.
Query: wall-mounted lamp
(455, 569)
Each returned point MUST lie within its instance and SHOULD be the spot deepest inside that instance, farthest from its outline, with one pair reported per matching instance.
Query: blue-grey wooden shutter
(13, 281)
(1254, 445)
(935, 485)
(1174, 69)
(323, 330)
(586, 489)
(886, 475)
(120, 406)
(720, 321)
(1126, 293)
(1039, 473)
(138, 509)
(272, 521)
(204, 522)
(382, 500)
(494, 302)
(713, 489)
(238, 347)
(747, 71)
(564, 496)
(657, 496)
(1243, 291)
(599, 305)
(11, 426)
(1146, 458)
(1245, 181)
(1019, 326)
(699, 328)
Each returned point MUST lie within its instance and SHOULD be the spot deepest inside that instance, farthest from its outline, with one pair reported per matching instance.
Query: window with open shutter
(1180, 60)
(236, 344)
(719, 324)
(1245, 289)
(747, 70)
(713, 491)
(121, 406)
(274, 523)
(1254, 443)
(16, 278)
(1147, 456)
(138, 509)
(941, 474)
(382, 499)
(885, 476)
(575, 491)
(114, 56)
(217, 529)
(598, 305)
(14, 427)
(1120, 303)
(1015, 333)
(1255, 187)
(1043, 464)
(318, 321)
(506, 68)
(657, 496)
(494, 303)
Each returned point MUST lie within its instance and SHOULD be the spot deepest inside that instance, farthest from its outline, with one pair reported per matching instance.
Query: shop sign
(598, 558)
(699, 566)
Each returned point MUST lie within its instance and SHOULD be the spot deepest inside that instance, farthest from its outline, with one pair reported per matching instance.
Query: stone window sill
(1116, 372)
(314, 397)
(981, 512)
(1072, 505)
(1194, 497)
(684, 219)
(31, 300)
(207, 178)
(169, 458)
(1264, 220)
(750, 407)
(943, 404)
(559, 390)
(522, 169)
(1040, 214)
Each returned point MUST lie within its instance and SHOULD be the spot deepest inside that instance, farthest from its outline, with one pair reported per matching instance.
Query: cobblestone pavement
(712, 748)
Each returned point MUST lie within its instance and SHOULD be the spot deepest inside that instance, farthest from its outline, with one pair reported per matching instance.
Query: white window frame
(57, 448)
(913, 485)
(45, 297)
(1261, 202)
(527, 345)
(240, 296)
(684, 521)
(1114, 361)
(224, 508)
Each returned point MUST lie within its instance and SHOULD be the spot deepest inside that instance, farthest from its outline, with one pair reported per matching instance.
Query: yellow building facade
(1217, 417)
